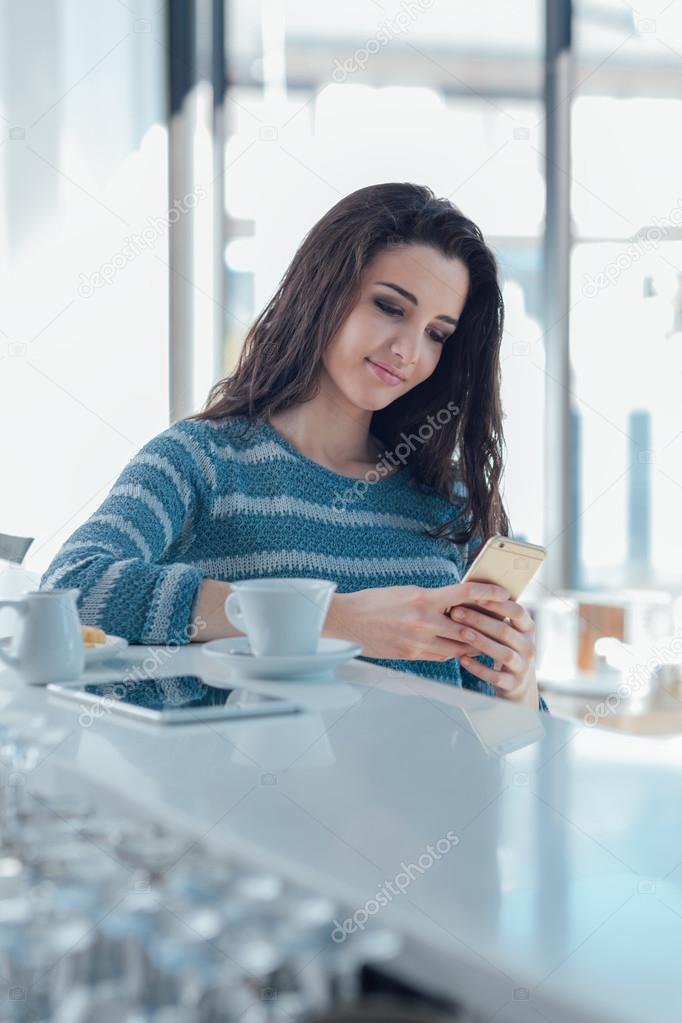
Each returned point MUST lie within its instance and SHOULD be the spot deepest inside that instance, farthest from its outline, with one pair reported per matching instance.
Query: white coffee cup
(280, 616)
(48, 645)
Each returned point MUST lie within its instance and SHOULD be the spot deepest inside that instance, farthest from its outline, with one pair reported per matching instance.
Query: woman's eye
(391, 310)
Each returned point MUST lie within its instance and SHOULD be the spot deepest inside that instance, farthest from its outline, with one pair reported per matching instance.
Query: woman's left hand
(510, 643)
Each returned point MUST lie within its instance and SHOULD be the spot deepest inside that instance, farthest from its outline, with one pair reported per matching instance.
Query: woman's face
(410, 299)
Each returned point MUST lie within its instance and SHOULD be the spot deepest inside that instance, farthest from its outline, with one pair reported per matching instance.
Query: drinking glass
(22, 744)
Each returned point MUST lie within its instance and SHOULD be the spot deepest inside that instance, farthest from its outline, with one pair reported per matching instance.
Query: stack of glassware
(106, 918)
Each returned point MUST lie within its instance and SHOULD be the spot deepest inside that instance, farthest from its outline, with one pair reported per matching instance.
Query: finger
(511, 647)
(470, 631)
(502, 680)
(506, 657)
(444, 627)
(443, 642)
(512, 610)
(501, 631)
(444, 650)
(474, 618)
(465, 593)
(439, 648)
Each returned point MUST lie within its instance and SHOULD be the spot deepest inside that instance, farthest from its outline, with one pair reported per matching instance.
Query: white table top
(560, 896)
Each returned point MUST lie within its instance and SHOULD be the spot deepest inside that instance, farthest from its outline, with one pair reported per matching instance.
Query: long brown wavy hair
(281, 357)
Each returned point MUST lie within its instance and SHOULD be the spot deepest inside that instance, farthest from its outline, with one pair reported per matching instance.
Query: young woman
(359, 439)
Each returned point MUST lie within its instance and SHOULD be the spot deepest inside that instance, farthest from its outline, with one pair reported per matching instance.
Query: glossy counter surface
(534, 866)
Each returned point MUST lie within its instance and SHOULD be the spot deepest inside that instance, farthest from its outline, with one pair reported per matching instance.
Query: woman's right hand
(407, 622)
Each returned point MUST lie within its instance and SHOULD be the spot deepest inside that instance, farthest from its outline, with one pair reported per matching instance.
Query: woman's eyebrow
(411, 298)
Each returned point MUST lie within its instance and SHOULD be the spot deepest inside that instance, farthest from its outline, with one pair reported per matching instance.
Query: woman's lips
(383, 374)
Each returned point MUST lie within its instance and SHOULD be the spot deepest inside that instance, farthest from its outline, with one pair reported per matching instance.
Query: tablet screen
(163, 694)
(178, 697)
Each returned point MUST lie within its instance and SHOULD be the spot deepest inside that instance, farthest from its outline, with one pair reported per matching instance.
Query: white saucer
(112, 645)
(236, 651)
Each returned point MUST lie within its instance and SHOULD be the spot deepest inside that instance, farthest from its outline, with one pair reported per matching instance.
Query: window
(626, 293)
(83, 321)
(438, 96)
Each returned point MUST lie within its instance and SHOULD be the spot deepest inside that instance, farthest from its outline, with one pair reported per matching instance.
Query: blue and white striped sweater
(198, 501)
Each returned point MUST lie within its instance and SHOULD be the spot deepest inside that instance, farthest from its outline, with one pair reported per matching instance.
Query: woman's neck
(342, 445)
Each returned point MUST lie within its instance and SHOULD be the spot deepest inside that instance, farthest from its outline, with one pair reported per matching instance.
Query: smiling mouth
(384, 374)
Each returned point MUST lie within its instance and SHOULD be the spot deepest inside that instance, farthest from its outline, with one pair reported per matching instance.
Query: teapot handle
(11, 660)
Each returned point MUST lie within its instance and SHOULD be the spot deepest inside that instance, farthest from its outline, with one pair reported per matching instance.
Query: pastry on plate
(93, 637)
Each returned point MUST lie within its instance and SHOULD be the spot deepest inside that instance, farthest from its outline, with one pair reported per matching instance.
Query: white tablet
(180, 699)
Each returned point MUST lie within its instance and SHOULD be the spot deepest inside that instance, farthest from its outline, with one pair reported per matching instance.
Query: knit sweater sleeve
(468, 552)
(126, 558)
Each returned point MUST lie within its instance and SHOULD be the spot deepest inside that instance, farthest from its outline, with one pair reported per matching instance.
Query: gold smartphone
(509, 563)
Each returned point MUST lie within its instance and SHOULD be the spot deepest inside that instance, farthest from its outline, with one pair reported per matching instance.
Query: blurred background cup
(280, 616)
(557, 637)
(570, 623)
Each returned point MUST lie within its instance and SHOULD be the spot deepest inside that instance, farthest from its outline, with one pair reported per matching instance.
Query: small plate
(93, 655)
(236, 651)
(112, 645)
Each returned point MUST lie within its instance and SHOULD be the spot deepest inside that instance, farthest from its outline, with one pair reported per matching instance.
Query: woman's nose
(406, 347)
